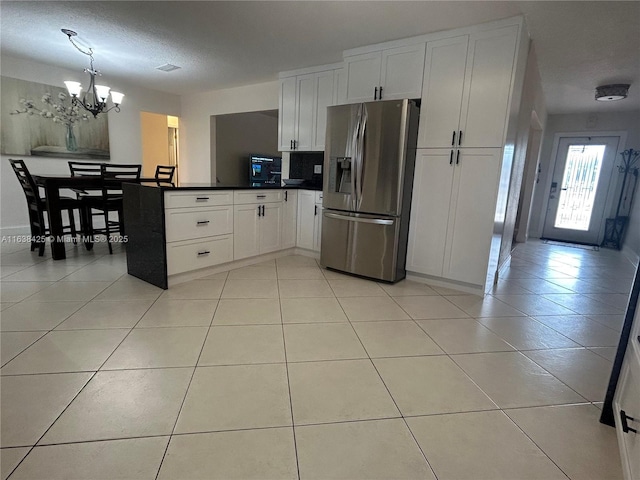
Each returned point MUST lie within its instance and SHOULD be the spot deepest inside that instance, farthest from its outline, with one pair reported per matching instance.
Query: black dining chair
(164, 173)
(113, 176)
(38, 207)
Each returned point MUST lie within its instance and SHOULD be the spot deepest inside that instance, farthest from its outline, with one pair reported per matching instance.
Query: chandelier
(95, 97)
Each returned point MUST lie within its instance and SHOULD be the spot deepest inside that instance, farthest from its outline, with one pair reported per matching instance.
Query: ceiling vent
(609, 93)
(167, 67)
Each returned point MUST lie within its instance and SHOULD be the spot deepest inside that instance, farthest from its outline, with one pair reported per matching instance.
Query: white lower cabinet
(194, 254)
(257, 229)
(309, 220)
(289, 218)
(452, 213)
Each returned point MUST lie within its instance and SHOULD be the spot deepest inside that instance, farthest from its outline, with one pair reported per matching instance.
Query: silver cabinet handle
(204, 252)
(375, 221)
(201, 223)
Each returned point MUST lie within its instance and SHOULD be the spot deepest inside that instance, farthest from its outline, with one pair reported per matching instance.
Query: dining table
(52, 184)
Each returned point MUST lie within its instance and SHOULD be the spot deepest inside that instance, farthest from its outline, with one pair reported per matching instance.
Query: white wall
(125, 136)
(628, 122)
(195, 127)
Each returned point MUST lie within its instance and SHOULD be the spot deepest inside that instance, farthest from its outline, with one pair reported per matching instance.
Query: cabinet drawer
(243, 197)
(318, 197)
(192, 255)
(198, 198)
(190, 223)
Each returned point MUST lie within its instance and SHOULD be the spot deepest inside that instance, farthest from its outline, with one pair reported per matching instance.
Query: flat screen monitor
(265, 169)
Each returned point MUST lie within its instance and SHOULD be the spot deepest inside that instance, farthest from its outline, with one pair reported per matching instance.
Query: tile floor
(285, 370)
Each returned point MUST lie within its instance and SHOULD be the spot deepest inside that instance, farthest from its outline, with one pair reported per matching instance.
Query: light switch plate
(317, 169)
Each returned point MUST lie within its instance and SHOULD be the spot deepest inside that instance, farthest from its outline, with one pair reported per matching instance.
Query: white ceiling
(580, 45)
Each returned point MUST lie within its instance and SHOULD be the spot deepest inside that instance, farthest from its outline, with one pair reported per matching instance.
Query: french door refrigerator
(370, 153)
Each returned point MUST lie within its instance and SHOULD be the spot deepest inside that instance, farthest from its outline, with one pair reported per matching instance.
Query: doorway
(579, 187)
(159, 142)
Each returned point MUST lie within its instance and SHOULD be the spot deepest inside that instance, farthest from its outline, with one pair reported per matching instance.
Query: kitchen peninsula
(176, 233)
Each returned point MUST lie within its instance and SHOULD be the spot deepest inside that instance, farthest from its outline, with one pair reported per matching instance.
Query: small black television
(265, 169)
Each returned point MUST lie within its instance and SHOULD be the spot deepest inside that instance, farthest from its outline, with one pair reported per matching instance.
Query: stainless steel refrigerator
(370, 153)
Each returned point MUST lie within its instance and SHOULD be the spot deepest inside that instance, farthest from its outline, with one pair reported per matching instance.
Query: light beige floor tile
(248, 454)
(304, 288)
(524, 333)
(5, 305)
(539, 286)
(613, 322)
(463, 335)
(296, 261)
(512, 380)
(356, 287)
(534, 305)
(573, 438)
(9, 459)
(69, 292)
(98, 314)
(158, 348)
(338, 391)
(395, 339)
(250, 288)
(488, 306)
(253, 273)
(300, 273)
(44, 272)
(605, 352)
(448, 291)
(583, 305)
(584, 371)
(137, 458)
(429, 385)
(27, 316)
(333, 275)
(378, 449)
(431, 307)
(179, 313)
(67, 351)
(31, 403)
(22, 257)
(508, 287)
(363, 309)
(236, 397)
(619, 301)
(247, 311)
(7, 270)
(195, 290)
(245, 344)
(102, 272)
(18, 291)
(121, 404)
(322, 341)
(480, 445)
(130, 288)
(407, 287)
(12, 343)
(217, 276)
(582, 330)
(312, 310)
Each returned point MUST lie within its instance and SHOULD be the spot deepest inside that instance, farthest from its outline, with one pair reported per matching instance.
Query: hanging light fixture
(610, 93)
(95, 97)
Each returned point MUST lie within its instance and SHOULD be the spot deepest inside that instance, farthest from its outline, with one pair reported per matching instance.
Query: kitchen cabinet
(452, 213)
(387, 74)
(289, 218)
(257, 222)
(466, 89)
(303, 106)
(309, 220)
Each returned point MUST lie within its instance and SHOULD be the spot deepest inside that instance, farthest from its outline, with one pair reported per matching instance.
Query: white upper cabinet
(385, 75)
(302, 119)
(467, 84)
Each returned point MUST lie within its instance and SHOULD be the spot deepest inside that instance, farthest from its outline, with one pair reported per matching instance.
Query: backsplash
(304, 165)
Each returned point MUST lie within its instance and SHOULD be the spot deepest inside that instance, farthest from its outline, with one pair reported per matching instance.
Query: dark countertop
(222, 186)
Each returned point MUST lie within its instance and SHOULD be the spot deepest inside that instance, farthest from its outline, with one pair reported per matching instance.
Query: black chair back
(84, 168)
(26, 182)
(164, 173)
(114, 175)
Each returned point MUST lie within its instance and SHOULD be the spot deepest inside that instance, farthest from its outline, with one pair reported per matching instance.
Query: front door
(579, 189)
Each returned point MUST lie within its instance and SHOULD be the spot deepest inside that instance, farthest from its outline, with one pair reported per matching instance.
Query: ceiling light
(168, 67)
(95, 98)
(609, 93)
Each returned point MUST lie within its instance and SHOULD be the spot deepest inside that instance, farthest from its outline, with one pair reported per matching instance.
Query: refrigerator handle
(360, 155)
(375, 221)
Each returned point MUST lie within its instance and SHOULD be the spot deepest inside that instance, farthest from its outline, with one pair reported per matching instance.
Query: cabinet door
(287, 114)
(473, 206)
(317, 226)
(487, 87)
(305, 111)
(627, 399)
(442, 92)
(270, 228)
(363, 76)
(401, 72)
(430, 203)
(324, 98)
(289, 215)
(306, 219)
(245, 231)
